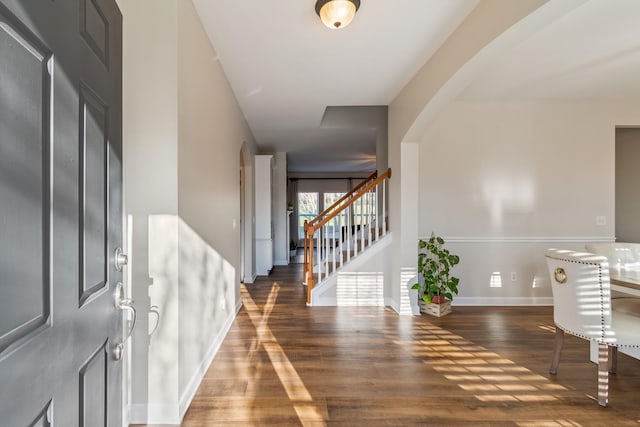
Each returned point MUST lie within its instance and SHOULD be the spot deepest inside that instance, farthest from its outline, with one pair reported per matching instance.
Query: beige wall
(501, 182)
(504, 181)
(483, 35)
(211, 131)
(183, 133)
(520, 169)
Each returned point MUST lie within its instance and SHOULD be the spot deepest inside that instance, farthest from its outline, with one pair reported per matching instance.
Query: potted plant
(436, 286)
(293, 247)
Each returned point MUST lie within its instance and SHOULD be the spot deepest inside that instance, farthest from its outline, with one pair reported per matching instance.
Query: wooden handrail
(344, 197)
(317, 223)
(313, 221)
(356, 196)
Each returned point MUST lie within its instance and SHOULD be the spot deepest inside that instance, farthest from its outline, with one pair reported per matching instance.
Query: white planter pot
(413, 297)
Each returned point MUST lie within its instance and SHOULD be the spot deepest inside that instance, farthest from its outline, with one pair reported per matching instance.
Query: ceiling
(589, 54)
(286, 68)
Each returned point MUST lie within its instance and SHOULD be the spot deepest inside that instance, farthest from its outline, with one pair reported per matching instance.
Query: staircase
(345, 230)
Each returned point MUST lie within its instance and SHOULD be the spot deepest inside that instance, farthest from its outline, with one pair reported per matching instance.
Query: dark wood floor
(283, 364)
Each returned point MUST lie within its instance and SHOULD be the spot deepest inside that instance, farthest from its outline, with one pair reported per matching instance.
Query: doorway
(627, 178)
(242, 220)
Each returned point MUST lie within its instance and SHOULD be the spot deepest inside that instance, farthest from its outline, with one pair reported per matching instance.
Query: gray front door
(60, 212)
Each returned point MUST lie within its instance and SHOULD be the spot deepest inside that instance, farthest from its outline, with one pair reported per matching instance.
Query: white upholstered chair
(582, 307)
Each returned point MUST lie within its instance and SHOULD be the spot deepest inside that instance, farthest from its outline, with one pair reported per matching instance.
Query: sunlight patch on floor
(486, 374)
(308, 413)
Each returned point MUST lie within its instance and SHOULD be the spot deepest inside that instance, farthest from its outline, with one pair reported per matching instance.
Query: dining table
(625, 283)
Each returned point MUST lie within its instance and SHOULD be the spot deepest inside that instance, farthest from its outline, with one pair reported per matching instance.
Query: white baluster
(319, 254)
(348, 232)
(362, 207)
(326, 249)
(333, 243)
(369, 215)
(376, 212)
(384, 207)
(340, 239)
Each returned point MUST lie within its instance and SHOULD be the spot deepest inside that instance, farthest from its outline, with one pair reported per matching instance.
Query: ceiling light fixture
(336, 14)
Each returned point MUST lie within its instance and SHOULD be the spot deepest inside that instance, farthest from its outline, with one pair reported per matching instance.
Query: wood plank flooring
(283, 364)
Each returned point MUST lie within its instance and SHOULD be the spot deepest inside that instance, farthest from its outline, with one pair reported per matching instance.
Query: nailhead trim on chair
(602, 338)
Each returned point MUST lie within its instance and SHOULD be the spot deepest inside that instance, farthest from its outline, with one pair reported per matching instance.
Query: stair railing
(350, 225)
(344, 199)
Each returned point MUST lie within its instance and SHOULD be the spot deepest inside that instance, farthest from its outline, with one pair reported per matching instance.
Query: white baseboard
(154, 414)
(391, 303)
(281, 262)
(503, 301)
(198, 375)
(173, 414)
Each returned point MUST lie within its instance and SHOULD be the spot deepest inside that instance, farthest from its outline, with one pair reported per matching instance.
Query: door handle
(155, 310)
(120, 259)
(127, 305)
(124, 304)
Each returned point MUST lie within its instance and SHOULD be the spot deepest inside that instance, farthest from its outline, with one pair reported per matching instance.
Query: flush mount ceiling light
(336, 14)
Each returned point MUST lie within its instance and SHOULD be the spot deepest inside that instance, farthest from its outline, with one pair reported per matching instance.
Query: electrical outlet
(601, 220)
(514, 276)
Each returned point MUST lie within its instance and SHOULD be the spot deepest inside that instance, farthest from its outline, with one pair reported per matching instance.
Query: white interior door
(60, 213)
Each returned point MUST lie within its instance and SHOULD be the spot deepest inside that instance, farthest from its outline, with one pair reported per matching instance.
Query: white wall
(150, 129)
(502, 181)
(361, 282)
(183, 132)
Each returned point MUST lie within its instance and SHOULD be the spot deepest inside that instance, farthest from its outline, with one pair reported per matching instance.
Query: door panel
(93, 389)
(94, 28)
(93, 194)
(24, 182)
(60, 212)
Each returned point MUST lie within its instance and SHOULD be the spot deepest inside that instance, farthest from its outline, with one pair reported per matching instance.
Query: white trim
(317, 299)
(137, 413)
(502, 301)
(154, 414)
(489, 239)
(391, 303)
(281, 262)
(173, 414)
(250, 280)
(198, 375)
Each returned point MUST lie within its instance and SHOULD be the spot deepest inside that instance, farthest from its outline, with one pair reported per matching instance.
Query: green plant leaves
(434, 265)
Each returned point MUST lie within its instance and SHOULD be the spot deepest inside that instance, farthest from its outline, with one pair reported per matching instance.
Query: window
(364, 209)
(307, 210)
(336, 226)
